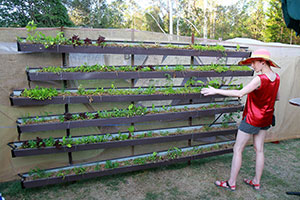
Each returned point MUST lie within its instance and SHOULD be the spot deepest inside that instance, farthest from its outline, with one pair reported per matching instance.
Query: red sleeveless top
(259, 106)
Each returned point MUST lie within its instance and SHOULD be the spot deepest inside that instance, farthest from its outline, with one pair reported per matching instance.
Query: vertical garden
(198, 138)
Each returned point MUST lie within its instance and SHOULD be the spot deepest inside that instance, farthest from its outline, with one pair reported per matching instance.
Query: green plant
(131, 129)
(150, 90)
(214, 83)
(140, 161)
(174, 152)
(179, 68)
(164, 133)
(41, 38)
(38, 173)
(110, 165)
(235, 87)
(97, 167)
(67, 141)
(31, 26)
(206, 128)
(190, 82)
(79, 170)
(215, 147)
(125, 136)
(168, 90)
(153, 157)
(81, 90)
(49, 142)
(61, 118)
(126, 163)
(178, 130)
(131, 111)
(103, 68)
(61, 174)
(221, 69)
(229, 118)
(207, 48)
(239, 68)
(149, 134)
(40, 93)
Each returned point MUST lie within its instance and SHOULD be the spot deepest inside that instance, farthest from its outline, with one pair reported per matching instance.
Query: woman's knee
(258, 141)
(238, 149)
(241, 141)
(258, 148)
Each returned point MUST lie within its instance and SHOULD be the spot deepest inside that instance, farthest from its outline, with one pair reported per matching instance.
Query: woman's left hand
(209, 91)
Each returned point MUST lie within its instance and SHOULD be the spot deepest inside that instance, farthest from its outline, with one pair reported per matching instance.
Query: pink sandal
(250, 182)
(225, 184)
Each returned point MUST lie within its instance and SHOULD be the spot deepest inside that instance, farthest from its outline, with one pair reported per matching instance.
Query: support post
(65, 85)
(192, 42)
(132, 147)
(190, 118)
(189, 144)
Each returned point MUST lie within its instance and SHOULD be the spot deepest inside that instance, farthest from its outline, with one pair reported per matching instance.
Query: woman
(257, 116)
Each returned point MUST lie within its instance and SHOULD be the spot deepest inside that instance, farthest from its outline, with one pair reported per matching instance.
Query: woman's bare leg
(258, 143)
(241, 141)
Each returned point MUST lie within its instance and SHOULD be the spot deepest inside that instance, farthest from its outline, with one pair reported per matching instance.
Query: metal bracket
(164, 58)
(145, 60)
(216, 120)
(198, 61)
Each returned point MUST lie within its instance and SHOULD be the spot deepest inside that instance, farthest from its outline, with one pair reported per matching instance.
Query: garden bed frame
(123, 120)
(32, 75)
(94, 174)
(26, 47)
(26, 101)
(112, 144)
(49, 76)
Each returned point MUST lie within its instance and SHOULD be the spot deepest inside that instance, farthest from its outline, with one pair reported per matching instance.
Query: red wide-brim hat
(261, 54)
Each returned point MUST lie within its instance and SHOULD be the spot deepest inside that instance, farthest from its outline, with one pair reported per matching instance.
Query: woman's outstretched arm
(254, 84)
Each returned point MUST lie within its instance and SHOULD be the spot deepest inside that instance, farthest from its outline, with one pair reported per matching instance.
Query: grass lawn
(182, 181)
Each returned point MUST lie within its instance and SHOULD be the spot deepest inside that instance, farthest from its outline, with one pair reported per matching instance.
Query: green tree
(256, 21)
(276, 30)
(134, 15)
(259, 21)
(275, 24)
(190, 16)
(113, 15)
(230, 21)
(79, 11)
(223, 22)
(154, 20)
(98, 13)
(17, 13)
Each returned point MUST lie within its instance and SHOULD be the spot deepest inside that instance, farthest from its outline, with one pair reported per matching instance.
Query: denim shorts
(248, 128)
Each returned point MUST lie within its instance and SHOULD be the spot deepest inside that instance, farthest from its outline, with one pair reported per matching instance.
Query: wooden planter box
(49, 76)
(128, 50)
(36, 48)
(69, 178)
(130, 142)
(26, 101)
(135, 50)
(122, 120)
